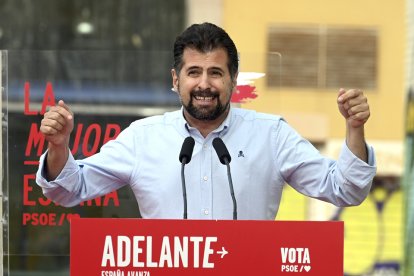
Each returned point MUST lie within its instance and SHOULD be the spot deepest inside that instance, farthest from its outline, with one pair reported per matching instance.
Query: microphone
(225, 158)
(185, 157)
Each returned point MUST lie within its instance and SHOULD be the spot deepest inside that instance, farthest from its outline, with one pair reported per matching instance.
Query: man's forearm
(55, 161)
(355, 140)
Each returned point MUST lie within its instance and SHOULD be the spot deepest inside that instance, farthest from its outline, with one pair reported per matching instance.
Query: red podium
(205, 247)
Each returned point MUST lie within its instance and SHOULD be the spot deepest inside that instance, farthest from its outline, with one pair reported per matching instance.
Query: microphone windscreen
(222, 152)
(187, 150)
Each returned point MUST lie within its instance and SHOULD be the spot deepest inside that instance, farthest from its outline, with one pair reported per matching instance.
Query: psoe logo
(295, 259)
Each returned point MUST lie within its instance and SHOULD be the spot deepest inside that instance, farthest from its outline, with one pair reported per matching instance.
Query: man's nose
(204, 82)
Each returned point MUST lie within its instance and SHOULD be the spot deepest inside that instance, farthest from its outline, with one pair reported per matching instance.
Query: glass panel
(107, 92)
(4, 162)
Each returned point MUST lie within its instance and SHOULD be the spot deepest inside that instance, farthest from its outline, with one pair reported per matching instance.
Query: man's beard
(205, 114)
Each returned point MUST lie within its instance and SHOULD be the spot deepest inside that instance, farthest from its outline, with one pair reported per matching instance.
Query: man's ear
(174, 76)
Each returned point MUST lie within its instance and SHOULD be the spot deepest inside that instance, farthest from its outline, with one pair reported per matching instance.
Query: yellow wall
(248, 21)
(377, 233)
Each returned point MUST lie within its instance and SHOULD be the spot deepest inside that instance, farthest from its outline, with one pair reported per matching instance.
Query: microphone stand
(185, 157)
(233, 197)
(184, 188)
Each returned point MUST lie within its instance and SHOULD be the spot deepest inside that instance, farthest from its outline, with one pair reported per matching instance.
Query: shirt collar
(221, 130)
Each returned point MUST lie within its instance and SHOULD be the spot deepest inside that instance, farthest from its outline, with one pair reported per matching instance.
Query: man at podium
(265, 152)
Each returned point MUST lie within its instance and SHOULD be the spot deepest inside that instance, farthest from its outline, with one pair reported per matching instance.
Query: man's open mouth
(203, 98)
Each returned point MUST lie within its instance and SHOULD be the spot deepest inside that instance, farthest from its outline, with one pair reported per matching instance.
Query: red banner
(204, 247)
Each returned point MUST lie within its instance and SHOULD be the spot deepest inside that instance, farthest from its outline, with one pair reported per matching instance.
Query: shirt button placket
(206, 182)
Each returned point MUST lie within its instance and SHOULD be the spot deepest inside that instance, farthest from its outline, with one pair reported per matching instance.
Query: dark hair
(205, 37)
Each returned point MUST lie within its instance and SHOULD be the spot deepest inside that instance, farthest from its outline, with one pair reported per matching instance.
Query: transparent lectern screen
(107, 92)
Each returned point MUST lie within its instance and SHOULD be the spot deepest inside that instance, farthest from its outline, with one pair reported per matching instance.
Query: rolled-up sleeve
(355, 175)
(59, 189)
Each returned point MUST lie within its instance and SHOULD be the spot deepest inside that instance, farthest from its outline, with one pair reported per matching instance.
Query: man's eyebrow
(216, 68)
(193, 67)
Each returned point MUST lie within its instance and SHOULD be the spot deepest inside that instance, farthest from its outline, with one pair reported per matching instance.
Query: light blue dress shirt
(266, 153)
